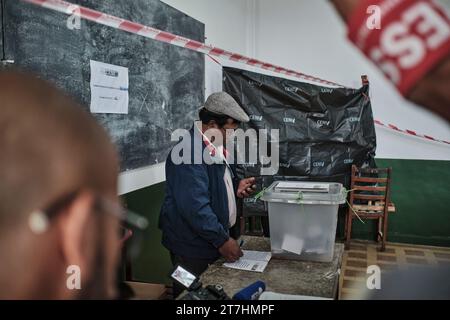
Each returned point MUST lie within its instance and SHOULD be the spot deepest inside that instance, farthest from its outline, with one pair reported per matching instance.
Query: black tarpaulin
(322, 130)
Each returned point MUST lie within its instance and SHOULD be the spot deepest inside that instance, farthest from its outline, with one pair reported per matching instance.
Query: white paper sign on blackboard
(109, 88)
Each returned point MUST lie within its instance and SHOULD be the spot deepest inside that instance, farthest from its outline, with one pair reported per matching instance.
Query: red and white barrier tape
(163, 36)
(409, 132)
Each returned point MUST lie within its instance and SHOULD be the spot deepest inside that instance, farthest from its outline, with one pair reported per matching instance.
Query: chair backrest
(371, 186)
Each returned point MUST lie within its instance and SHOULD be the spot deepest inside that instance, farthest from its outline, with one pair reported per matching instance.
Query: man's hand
(246, 187)
(230, 250)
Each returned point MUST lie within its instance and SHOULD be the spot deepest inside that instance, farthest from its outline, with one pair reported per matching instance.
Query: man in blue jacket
(200, 205)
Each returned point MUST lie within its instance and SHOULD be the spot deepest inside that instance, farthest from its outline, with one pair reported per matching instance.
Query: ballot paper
(109, 88)
(292, 244)
(251, 261)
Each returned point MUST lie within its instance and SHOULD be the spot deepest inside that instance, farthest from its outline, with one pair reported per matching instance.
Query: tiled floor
(397, 256)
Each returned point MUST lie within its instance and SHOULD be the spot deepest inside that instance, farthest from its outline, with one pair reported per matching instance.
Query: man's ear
(77, 232)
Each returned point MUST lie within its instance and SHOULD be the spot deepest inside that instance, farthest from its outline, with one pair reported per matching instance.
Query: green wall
(153, 262)
(420, 191)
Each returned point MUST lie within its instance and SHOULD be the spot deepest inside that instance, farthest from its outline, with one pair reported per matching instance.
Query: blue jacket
(194, 217)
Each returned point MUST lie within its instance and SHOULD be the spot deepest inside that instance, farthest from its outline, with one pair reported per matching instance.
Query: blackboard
(166, 82)
(1, 31)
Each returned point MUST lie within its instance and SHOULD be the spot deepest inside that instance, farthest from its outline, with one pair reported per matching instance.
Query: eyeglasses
(129, 217)
(39, 220)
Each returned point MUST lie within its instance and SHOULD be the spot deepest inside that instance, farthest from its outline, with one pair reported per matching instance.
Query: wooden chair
(370, 199)
(251, 226)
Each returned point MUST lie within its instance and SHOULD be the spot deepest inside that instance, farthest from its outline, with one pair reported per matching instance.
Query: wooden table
(147, 291)
(318, 279)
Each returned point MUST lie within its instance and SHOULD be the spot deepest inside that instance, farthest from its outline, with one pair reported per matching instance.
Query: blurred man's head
(58, 176)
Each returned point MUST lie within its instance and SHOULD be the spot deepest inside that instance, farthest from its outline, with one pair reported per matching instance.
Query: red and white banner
(409, 132)
(412, 37)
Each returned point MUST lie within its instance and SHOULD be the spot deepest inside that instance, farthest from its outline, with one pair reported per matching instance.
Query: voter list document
(251, 261)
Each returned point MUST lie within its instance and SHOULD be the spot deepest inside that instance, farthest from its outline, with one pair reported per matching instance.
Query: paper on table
(251, 261)
(268, 295)
(248, 265)
(256, 255)
(109, 88)
(292, 244)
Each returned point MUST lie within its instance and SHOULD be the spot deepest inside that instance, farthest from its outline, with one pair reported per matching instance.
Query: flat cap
(223, 104)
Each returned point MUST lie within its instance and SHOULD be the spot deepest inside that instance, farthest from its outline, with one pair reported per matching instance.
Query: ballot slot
(295, 187)
(306, 192)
